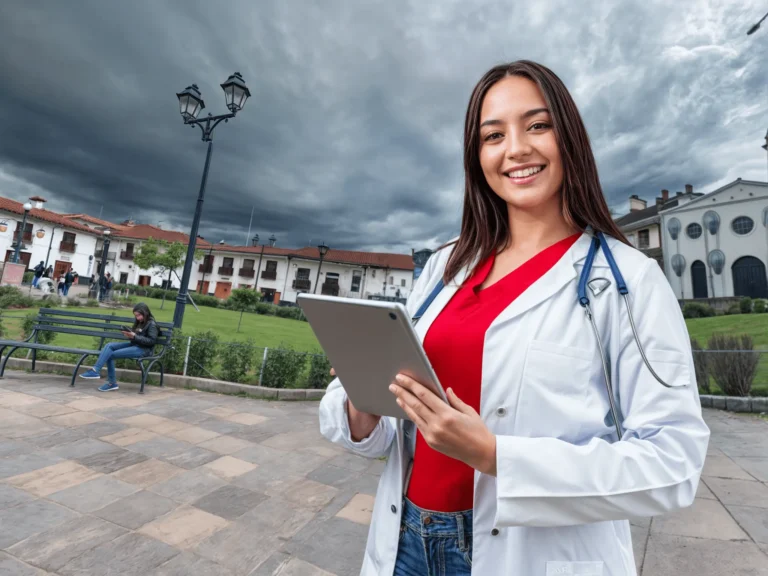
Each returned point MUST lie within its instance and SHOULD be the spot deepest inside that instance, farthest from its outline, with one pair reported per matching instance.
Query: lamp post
(255, 242)
(756, 26)
(50, 244)
(103, 267)
(190, 105)
(323, 249)
(20, 237)
(765, 146)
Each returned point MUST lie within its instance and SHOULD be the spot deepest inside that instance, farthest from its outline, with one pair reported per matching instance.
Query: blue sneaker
(108, 387)
(90, 375)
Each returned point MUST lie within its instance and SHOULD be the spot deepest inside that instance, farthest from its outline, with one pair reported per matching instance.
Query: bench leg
(143, 377)
(34, 359)
(77, 367)
(5, 360)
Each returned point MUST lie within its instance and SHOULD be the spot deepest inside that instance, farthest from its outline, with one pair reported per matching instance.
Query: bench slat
(73, 314)
(161, 341)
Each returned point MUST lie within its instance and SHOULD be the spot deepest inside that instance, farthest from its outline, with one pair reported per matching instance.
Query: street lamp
(20, 236)
(756, 26)
(103, 267)
(323, 249)
(255, 242)
(190, 105)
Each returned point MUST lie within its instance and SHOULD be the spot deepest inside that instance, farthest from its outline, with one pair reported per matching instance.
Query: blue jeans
(113, 351)
(434, 543)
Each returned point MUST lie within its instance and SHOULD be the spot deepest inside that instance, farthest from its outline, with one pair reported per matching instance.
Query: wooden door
(24, 257)
(60, 268)
(277, 298)
(223, 290)
(202, 287)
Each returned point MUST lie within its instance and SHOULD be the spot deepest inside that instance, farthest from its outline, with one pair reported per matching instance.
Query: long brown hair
(485, 221)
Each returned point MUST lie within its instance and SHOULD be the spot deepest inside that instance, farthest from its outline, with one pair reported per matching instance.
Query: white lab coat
(564, 489)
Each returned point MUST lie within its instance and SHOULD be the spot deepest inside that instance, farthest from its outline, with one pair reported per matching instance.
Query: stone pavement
(179, 482)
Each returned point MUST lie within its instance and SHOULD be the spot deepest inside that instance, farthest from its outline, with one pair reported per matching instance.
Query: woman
(524, 473)
(143, 337)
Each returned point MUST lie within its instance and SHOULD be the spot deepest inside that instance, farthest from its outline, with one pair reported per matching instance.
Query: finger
(333, 372)
(424, 394)
(412, 414)
(406, 398)
(458, 403)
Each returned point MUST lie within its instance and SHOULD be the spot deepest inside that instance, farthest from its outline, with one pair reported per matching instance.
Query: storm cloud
(353, 131)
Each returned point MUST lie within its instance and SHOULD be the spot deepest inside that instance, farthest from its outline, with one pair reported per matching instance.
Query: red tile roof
(95, 221)
(46, 215)
(146, 231)
(374, 259)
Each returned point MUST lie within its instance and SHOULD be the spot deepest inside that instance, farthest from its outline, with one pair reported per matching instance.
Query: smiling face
(519, 155)
(139, 317)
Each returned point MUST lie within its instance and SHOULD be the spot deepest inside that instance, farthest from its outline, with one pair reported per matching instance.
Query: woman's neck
(531, 232)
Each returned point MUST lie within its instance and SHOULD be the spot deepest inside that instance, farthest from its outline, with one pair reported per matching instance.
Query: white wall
(653, 236)
(85, 245)
(740, 199)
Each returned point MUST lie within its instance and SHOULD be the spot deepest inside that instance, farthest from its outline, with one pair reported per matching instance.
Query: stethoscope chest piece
(598, 285)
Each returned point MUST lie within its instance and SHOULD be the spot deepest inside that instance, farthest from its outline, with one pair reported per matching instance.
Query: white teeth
(526, 172)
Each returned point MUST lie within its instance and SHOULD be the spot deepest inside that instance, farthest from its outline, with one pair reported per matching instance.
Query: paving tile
(351, 462)
(293, 440)
(336, 548)
(147, 473)
(639, 539)
(228, 467)
(99, 429)
(25, 520)
(168, 427)
(668, 555)
(45, 409)
(225, 444)
(310, 494)
(12, 567)
(53, 478)
(144, 421)
(230, 502)
(359, 509)
(739, 492)
(222, 426)
(237, 549)
(757, 467)
(129, 436)
(54, 548)
(188, 486)
(132, 401)
(331, 475)
(193, 434)
(75, 419)
(14, 448)
(187, 563)
(246, 418)
(220, 411)
(23, 463)
(159, 446)
(92, 403)
(129, 555)
(16, 399)
(296, 567)
(703, 491)
(117, 413)
(137, 509)
(753, 520)
(277, 517)
(191, 458)
(185, 527)
(56, 438)
(190, 416)
(724, 467)
(94, 494)
(112, 461)
(705, 519)
(81, 448)
(10, 497)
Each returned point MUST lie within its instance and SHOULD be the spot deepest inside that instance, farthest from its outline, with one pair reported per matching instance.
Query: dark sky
(353, 132)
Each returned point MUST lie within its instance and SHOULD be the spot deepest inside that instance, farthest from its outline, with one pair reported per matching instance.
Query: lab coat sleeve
(654, 469)
(334, 417)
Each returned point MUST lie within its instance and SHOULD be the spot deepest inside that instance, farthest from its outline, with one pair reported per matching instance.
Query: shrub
(92, 303)
(733, 309)
(12, 297)
(759, 307)
(746, 305)
(265, 309)
(697, 310)
(27, 325)
(28, 277)
(2, 328)
(205, 300)
(282, 367)
(293, 312)
(74, 303)
(734, 364)
(319, 372)
(202, 353)
(701, 365)
(237, 360)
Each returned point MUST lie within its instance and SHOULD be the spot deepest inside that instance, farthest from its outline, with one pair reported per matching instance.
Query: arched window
(742, 225)
(693, 230)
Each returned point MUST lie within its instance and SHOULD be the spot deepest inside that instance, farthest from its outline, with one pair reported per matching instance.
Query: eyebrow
(525, 115)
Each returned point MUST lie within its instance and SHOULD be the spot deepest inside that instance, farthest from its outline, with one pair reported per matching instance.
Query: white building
(716, 245)
(48, 237)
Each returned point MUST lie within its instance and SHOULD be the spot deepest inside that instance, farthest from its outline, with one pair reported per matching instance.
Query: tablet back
(368, 343)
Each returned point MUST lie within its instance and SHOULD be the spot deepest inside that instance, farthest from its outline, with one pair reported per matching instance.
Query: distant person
(60, 286)
(105, 285)
(143, 337)
(38, 270)
(69, 278)
(48, 272)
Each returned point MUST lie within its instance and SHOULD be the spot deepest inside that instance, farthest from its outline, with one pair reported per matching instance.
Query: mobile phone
(125, 328)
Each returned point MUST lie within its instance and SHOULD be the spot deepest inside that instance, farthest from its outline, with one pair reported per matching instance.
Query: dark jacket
(146, 335)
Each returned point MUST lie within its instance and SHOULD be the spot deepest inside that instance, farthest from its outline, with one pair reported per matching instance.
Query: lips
(529, 174)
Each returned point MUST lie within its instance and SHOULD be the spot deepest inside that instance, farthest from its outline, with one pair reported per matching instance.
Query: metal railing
(269, 274)
(226, 270)
(246, 272)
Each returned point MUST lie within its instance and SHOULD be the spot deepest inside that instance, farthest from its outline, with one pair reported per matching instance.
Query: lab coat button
(501, 411)
(495, 532)
(394, 509)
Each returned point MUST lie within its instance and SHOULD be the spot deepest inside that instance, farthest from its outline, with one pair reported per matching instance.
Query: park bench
(104, 327)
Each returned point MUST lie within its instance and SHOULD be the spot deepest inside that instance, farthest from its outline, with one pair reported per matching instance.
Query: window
(402, 282)
(228, 262)
(357, 277)
(693, 230)
(742, 225)
(302, 274)
(248, 264)
(272, 265)
(643, 239)
(391, 279)
(27, 237)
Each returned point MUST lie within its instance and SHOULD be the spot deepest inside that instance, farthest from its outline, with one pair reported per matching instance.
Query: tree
(242, 299)
(162, 256)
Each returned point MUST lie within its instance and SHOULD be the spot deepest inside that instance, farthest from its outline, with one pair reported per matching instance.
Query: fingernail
(392, 387)
(400, 378)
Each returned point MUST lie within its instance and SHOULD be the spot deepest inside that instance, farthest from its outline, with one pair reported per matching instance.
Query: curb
(755, 405)
(179, 381)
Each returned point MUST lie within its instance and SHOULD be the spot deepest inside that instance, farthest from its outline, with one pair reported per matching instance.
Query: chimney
(688, 189)
(38, 202)
(636, 203)
(665, 195)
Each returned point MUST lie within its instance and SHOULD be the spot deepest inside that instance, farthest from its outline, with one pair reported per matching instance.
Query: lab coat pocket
(553, 390)
(670, 365)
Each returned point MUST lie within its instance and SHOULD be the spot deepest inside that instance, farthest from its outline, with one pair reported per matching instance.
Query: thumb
(458, 403)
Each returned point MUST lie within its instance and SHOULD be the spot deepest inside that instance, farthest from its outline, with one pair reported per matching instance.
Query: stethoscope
(596, 285)
(598, 241)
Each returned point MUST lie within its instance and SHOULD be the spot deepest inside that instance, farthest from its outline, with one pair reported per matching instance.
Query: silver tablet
(368, 343)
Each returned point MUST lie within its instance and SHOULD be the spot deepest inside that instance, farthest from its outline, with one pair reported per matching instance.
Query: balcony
(246, 273)
(27, 238)
(269, 274)
(125, 255)
(226, 271)
(301, 284)
(67, 247)
(331, 289)
(207, 268)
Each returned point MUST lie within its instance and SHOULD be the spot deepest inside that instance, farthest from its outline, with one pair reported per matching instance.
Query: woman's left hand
(130, 335)
(456, 430)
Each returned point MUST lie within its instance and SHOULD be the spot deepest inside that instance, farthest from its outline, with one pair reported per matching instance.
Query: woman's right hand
(361, 424)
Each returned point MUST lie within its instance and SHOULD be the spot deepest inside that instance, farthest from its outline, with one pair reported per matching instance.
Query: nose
(518, 145)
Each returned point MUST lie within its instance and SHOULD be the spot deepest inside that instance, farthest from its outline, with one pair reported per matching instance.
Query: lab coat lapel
(440, 301)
